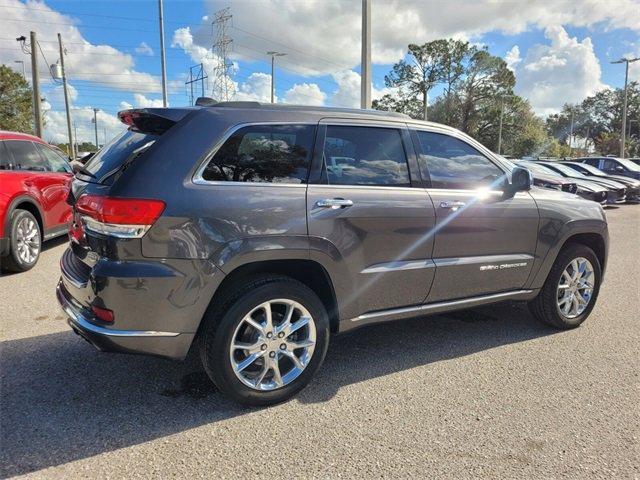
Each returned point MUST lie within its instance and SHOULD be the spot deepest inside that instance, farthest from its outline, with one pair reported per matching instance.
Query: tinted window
(264, 153)
(5, 162)
(593, 161)
(57, 163)
(365, 156)
(452, 163)
(123, 148)
(25, 156)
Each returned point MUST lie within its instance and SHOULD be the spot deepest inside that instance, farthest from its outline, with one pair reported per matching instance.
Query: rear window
(123, 149)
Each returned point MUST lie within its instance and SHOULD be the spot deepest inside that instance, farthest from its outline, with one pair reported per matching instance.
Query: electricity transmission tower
(222, 85)
(199, 76)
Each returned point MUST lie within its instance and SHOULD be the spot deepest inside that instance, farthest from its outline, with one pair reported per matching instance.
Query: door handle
(453, 205)
(334, 203)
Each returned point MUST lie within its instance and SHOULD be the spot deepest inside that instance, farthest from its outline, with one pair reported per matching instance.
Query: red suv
(34, 182)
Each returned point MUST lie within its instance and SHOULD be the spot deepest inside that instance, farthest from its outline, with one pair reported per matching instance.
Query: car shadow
(63, 401)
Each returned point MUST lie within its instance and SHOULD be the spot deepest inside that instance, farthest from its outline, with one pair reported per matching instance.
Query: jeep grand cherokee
(252, 232)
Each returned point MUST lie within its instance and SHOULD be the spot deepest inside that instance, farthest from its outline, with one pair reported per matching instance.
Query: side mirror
(521, 180)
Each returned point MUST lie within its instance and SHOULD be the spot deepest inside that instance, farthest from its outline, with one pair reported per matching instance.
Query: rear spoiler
(152, 120)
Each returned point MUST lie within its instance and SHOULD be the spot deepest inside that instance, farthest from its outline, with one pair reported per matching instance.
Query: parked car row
(592, 183)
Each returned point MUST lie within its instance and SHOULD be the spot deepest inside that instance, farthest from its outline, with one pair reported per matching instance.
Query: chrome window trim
(366, 187)
(198, 179)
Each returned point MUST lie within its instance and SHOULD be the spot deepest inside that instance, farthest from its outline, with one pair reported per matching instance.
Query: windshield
(570, 172)
(123, 149)
(628, 164)
(536, 167)
(593, 170)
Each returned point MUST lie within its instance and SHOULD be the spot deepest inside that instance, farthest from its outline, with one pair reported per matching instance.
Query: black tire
(13, 262)
(222, 320)
(545, 306)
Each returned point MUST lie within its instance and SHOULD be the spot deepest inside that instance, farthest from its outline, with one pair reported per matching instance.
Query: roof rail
(253, 104)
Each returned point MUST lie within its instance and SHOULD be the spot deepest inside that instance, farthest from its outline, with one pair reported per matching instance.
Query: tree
(16, 102)
(424, 69)
(87, 147)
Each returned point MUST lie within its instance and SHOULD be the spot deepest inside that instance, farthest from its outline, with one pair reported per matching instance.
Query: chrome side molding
(439, 307)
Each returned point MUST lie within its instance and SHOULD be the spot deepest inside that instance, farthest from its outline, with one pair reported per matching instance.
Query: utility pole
(571, 136)
(35, 79)
(95, 122)
(75, 135)
(365, 62)
(200, 77)
(72, 153)
(162, 58)
(624, 108)
(273, 81)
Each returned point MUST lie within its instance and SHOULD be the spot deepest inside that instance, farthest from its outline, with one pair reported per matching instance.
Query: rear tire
(25, 242)
(560, 302)
(265, 372)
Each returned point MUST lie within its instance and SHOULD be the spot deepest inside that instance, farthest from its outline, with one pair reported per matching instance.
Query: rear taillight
(118, 217)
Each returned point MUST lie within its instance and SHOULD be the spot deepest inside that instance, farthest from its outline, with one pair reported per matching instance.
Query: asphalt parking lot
(486, 393)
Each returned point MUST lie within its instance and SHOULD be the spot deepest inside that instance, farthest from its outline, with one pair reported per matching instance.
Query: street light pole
(162, 56)
(500, 128)
(365, 62)
(273, 55)
(627, 61)
(95, 122)
(571, 136)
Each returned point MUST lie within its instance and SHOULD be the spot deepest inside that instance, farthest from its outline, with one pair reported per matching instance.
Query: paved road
(487, 393)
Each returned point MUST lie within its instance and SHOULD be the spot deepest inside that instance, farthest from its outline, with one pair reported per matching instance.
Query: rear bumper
(164, 344)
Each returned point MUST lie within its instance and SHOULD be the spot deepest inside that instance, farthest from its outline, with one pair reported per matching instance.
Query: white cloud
(144, 49)
(84, 61)
(564, 71)
(55, 130)
(348, 91)
(324, 37)
(305, 94)
(125, 105)
(256, 88)
(143, 102)
(513, 57)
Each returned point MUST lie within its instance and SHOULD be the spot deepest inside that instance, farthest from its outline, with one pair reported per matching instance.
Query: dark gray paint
(394, 248)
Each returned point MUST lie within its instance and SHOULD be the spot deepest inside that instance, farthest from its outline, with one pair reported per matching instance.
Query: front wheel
(266, 341)
(571, 289)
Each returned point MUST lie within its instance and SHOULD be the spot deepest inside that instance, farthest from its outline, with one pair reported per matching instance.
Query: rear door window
(358, 155)
(25, 156)
(263, 154)
(121, 150)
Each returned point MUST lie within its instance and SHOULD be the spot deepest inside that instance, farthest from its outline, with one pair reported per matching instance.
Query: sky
(559, 50)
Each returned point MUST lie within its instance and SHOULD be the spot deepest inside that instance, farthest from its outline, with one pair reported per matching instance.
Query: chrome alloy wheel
(27, 240)
(273, 344)
(575, 287)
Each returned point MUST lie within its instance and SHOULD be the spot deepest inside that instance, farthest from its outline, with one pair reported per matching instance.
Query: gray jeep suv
(251, 232)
